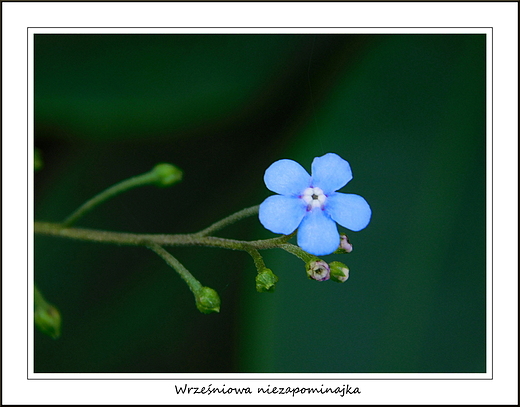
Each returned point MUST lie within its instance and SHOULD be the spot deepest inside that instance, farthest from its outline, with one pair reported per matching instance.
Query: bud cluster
(321, 271)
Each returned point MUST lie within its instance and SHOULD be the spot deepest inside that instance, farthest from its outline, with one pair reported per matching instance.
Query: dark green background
(407, 112)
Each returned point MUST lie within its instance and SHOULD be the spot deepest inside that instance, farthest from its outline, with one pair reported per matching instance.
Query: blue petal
(330, 172)
(286, 177)
(318, 233)
(282, 214)
(349, 210)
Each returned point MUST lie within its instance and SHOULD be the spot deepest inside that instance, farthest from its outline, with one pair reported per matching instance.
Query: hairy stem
(257, 258)
(298, 252)
(141, 239)
(107, 194)
(244, 213)
(161, 174)
(192, 282)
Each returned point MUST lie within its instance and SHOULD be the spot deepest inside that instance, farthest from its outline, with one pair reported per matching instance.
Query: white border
(501, 16)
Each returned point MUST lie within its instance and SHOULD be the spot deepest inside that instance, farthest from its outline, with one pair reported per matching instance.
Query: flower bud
(207, 300)
(318, 270)
(48, 319)
(338, 272)
(166, 174)
(38, 161)
(265, 281)
(344, 245)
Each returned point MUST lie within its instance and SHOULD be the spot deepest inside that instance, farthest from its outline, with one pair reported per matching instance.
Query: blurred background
(407, 112)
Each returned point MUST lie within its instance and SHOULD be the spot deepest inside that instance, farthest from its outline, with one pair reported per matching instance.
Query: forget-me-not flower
(311, 203)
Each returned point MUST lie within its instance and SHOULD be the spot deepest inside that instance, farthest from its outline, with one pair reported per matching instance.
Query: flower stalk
(229, 220)
(161, 175)
(206, 299)
(298, 252)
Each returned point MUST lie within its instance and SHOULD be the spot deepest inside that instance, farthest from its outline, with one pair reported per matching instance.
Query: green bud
(38, 161)
(318, 270)
(48, 320)
(207, 300)
(166, 174)
(265, 281)
(338, 272)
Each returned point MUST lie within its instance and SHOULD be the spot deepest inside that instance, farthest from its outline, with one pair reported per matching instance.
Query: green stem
(257, 258)
(206, 299)
(244, 213)
(140, 239)
(298, 252)
(143, 179)
(161, 175)
(192, 282)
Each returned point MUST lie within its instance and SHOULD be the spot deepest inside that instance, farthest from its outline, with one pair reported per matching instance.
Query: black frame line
(216, 379)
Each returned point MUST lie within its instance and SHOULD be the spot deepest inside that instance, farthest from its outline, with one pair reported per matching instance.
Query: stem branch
(161, 175)
(192, 282)
(108, 193)
(298, 252)
(244, 213)
(257, 258)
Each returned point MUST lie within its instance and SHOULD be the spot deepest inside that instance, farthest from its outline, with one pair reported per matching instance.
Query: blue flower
(311, 203)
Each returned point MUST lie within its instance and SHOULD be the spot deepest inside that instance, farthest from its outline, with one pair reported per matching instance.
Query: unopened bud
(167, 174)
(38, 161)
(344, 244)
(265, 281)
(318, 270)
(48, 319)
(207, 300)
(338, 272)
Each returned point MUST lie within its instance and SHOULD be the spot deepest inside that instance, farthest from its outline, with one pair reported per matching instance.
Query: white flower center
(314, 197)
